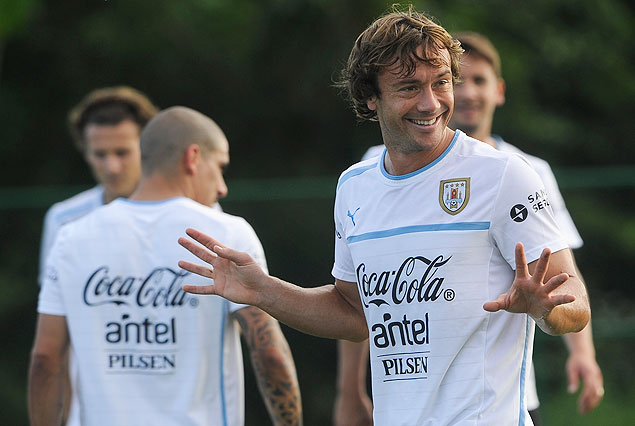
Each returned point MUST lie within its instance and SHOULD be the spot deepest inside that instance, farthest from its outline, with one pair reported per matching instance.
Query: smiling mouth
(424, 122)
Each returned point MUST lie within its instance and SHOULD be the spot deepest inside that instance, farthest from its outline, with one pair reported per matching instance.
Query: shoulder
(212, 216)
(373, 151)
(541, 166)
(75, 207)
(358, 170)
(498, 167)
(478, 156)
(214, 213)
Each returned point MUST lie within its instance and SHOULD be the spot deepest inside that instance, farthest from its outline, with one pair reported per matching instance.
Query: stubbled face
(114, 156)
(476, 96)
(413, 111)
(211, 184)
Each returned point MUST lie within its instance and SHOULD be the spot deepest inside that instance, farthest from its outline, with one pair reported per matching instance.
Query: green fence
(319, 187)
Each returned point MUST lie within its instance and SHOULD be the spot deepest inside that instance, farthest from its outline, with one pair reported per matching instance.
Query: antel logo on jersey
(518, 213)
(140, 345)
(162, 287)
(414, 281)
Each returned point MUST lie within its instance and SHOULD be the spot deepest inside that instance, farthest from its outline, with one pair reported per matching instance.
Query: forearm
(581, 342)
(320, 311)
(273, 366)
(279, 387)
(582, 366)
(352, 363)
(45, 392)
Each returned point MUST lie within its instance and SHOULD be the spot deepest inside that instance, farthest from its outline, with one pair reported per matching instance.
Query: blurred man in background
(148, 353)
(480, 90)
(106, 126)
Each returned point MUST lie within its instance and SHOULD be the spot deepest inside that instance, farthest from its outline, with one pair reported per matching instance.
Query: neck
(399, 163)
(158, 187)
(108, 197)
(484, 134)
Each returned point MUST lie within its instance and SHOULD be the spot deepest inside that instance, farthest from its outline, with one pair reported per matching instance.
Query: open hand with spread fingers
(237, 277)
(528, 294)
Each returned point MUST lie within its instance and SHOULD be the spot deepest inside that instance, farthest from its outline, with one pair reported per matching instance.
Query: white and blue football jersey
(426, 250)
(148, 353)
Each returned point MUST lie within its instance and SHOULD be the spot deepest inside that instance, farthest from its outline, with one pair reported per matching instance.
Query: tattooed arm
(273, 365)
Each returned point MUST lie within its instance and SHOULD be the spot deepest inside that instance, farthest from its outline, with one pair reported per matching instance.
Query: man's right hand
(236, 275)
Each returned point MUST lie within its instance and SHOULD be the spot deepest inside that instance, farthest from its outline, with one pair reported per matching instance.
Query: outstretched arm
(353, 406)
(559, 305)
(273, 365)
(332, 311)
(46, 372)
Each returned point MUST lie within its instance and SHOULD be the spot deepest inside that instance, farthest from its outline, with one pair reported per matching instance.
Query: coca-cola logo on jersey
(417, 279)
(161, 287)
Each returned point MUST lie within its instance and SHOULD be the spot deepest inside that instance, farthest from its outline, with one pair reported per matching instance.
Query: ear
(500, 92)
(190, 158)
(371, 103)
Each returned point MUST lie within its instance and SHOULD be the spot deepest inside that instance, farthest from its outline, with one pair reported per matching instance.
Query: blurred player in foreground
(105, 127)
(148, 353)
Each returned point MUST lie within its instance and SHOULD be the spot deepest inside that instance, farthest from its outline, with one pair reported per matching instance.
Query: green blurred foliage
(13, 16)
(264, 71)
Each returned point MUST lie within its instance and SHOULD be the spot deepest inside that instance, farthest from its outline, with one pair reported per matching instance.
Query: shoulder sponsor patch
(454, 194)
(518, 213)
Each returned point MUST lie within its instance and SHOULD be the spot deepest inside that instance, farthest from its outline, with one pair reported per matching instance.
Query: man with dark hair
(105, 127)
(148, 353)
(480, 90)
(428, 259)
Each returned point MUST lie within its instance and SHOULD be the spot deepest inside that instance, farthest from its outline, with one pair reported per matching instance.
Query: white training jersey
(148, 353)
(65, 212)
(560, 212)
(426, 250)
(57, 216)
(373, 151)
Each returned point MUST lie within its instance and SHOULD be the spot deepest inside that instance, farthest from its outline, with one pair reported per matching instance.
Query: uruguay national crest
(454, 194)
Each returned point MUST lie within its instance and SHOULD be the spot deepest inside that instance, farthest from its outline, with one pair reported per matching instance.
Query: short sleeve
(49, 229)
(343, 267)
(50, 300)
(523, 214)
(248, 241)
(560, 212)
